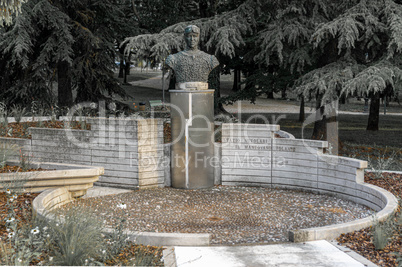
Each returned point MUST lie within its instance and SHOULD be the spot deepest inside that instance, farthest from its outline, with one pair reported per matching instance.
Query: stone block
(246, 172)
(277, 173)
(247, 179)
(118, 180)
(250, 127)
(276, 181)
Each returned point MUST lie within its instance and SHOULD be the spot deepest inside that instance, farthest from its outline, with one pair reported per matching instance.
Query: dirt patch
(20, 130)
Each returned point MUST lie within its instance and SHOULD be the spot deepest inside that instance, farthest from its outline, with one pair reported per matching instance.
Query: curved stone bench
(75, 178)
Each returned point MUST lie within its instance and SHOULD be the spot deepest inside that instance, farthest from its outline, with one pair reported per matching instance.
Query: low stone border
(75, 178)
(333, 231)
(53, 198)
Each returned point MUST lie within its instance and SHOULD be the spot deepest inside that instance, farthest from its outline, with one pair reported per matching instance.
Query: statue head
(192, 36)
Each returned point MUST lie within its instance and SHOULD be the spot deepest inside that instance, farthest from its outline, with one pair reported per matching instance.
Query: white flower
(50, 258)
(45, 228)
(103, 251)
(122, 206)
(11, 219)
(19, 260)
(15, 196)
(112, 106)
(35, 231)
(8, 191)
(11, 235)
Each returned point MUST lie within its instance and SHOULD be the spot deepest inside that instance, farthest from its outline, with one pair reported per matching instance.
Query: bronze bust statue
(191, 65)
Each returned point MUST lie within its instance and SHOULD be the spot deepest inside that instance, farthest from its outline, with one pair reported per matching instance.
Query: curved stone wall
(130, 150)
(253, 156)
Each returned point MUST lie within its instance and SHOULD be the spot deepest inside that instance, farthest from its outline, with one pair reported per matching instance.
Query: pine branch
(327, 81)
(8, 8)
(373, 79)
(222, 33)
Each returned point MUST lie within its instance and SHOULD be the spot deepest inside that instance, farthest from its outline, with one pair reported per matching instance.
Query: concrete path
(262, 104)
(314, 253)
(155, 82)
(99, 191)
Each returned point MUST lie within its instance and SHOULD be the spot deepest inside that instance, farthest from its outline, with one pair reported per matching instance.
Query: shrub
(18, 112)
(76, 237)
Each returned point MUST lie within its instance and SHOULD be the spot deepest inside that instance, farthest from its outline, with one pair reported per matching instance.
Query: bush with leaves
(384, 162)
(18, 112)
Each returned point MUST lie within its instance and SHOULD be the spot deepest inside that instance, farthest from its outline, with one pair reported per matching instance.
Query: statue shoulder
(171, 60)
(214, 61)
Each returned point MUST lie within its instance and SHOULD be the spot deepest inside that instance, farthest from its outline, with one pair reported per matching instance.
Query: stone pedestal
(192, 115)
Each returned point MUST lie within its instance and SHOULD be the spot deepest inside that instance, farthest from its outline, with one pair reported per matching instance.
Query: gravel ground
(233, 215)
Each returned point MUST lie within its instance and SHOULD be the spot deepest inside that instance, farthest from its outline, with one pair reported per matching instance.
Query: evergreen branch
(326, 81)
(373, 79)
(358, 23)
(393, 13)
(223, 32)
(8, 8)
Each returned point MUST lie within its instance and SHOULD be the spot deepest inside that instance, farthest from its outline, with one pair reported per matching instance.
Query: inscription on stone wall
(246, 140)
(256, 144)
(285, 148)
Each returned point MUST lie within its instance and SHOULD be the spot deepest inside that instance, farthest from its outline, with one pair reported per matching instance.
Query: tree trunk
(214, 83)
(342, 100)
(128, 66)
(332, 133)
(283, 92)
(236, 80)
(320, 124)
(121, 68)
(374, 115)
(172, 81)
(65, 92)
(302, 115)
(203, 6)
(270, 95)
(126, 69)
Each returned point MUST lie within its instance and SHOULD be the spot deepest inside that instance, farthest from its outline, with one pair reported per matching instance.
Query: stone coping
(332, 231)
(209, 91)
(75, 178)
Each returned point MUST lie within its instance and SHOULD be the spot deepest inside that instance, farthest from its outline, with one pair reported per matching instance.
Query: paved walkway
(314, 253)
(261, 105)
